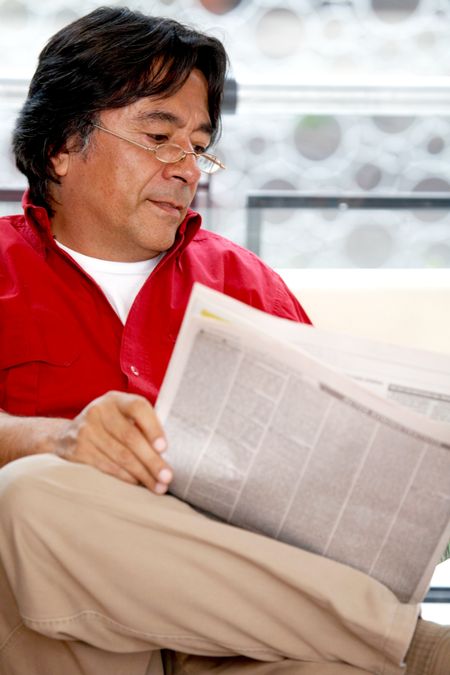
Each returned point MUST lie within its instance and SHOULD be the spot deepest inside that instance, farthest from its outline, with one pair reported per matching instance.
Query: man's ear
(60, 162)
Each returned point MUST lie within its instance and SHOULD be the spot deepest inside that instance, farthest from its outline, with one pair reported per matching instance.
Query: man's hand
(119, 434)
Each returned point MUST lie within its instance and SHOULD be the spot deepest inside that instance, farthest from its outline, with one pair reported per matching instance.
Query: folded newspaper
(335, 444)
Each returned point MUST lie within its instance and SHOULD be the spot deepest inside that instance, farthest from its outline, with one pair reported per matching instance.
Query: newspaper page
(413, 377)
(268, 438)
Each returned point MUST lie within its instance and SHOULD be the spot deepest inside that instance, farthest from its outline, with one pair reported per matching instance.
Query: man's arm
(22, 436)
(117, 433)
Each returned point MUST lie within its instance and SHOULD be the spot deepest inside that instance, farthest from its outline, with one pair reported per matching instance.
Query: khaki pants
(97, 576)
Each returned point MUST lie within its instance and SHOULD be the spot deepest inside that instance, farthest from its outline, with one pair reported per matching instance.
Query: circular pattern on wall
(437, 255)
(369, 246)
(431, 184)
(436, 145)
(368, 176)
(285, 26)
(220, 6)
(277, 215)
(257, 145)
(393, 124)
(318, 137)
(394, 11)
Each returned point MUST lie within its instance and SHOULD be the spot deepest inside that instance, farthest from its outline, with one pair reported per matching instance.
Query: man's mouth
(169, 207)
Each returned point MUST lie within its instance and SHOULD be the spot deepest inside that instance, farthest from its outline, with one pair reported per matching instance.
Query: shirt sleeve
(2, 390)
(286, 304)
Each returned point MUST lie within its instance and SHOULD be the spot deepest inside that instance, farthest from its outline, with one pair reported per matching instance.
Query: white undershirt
(119, 281)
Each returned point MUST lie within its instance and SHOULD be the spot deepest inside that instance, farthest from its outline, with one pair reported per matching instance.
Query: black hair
(106, 59)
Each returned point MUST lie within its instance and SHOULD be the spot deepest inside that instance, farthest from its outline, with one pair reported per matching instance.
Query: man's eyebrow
(165, 116)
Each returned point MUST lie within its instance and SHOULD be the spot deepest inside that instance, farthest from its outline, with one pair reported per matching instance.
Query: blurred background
(336, 129)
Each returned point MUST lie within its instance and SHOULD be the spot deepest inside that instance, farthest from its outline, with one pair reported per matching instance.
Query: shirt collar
(37, 228)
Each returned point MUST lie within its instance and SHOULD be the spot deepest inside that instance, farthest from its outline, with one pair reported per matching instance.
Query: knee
(20, 487)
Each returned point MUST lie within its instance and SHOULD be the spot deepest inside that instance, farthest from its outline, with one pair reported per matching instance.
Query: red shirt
(61, 342)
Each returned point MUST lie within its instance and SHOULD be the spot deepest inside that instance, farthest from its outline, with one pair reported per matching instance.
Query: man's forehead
(186, 107)
(192, 95)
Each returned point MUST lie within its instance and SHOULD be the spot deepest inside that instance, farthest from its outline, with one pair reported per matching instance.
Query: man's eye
(199, 149)
(158, 138)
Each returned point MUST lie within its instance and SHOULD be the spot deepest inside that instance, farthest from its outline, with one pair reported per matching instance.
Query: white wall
(410, 307)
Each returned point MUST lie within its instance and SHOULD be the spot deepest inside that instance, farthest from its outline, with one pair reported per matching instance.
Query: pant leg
(92, 559)
(195, 665)
(25, 652)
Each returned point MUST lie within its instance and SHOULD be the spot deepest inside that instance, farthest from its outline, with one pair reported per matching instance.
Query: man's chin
(163, 242)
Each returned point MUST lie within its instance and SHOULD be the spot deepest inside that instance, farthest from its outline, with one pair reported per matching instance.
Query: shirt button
(134, 370)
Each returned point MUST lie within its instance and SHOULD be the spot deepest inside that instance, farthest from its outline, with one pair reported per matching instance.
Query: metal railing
(11, 194)
(259, 200)
(438, 594)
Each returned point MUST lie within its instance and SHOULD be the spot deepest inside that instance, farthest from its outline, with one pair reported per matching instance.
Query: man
(98, 571)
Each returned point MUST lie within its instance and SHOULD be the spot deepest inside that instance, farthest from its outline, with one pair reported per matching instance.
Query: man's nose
(185, 169)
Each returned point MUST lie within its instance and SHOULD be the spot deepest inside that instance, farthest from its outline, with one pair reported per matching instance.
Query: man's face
(117, 201)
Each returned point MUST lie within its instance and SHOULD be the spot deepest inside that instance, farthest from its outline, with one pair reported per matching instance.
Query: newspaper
(269, 437)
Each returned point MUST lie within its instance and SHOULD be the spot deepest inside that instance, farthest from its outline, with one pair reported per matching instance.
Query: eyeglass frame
(184, 153)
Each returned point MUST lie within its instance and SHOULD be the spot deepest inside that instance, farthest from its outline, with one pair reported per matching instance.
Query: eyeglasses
(170, 153)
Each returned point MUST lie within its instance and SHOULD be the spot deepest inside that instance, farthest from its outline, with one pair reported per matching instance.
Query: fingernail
(160, 488)
(165, 476)
(159, 444)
